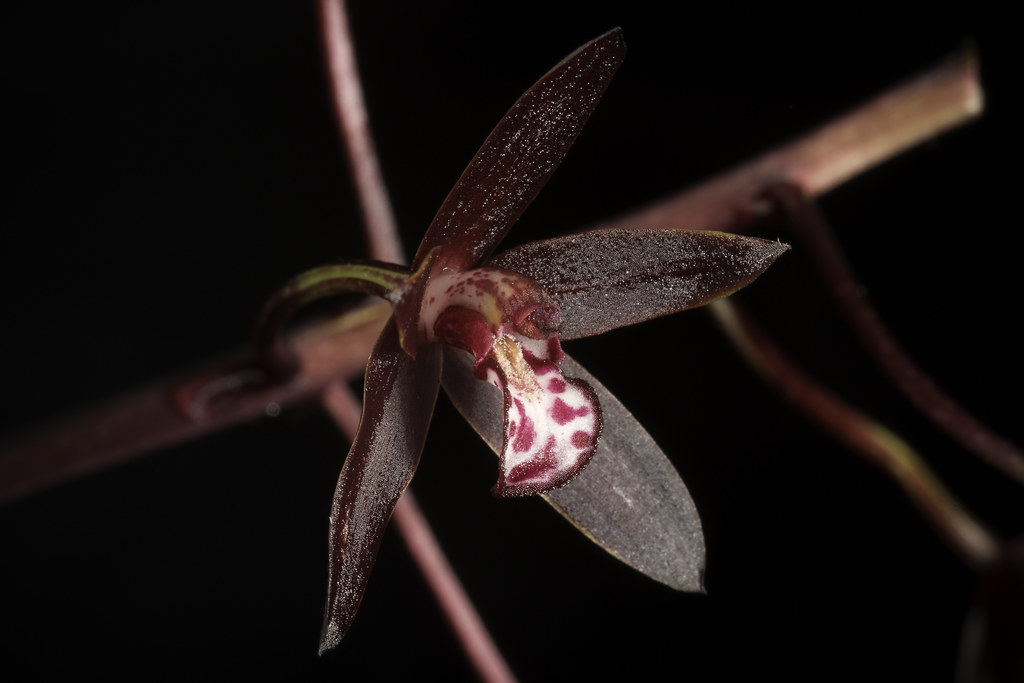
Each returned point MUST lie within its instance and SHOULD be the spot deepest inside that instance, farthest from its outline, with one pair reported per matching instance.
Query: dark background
(173, 164)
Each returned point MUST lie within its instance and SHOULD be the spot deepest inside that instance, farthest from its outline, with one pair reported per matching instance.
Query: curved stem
(870, 439)
(834, 270)
(368, 277)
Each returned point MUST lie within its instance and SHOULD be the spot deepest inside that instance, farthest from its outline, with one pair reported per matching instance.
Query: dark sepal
(605, 279)
(629, 499)
(398, 402)
(520, 154)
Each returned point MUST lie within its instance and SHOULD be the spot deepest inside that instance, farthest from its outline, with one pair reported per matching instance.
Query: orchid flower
(548, 418)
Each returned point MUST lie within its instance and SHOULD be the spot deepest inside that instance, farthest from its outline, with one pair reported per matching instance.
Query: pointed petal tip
(615, 32)
(685, 580)
(752, 258)
(327, 643)
(700, 588)
(779, 248)
(330, 636)
(764, 251)
(770, 252)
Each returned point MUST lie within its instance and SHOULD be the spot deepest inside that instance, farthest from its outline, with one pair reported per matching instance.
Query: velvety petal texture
(399, 399)
(519, 156)
(629, 500)
(605, 279)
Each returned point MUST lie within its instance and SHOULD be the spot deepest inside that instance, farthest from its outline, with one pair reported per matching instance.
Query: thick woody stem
(469, 628)
(807, 222)
(868, 438)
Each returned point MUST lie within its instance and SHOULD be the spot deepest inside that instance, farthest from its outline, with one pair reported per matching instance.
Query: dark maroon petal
(629, 500)
(398, 402)
(520, 155)
(604, 279)
(406, 302)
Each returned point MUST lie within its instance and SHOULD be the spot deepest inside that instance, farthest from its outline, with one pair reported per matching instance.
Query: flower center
(509, 324)
(501, 302)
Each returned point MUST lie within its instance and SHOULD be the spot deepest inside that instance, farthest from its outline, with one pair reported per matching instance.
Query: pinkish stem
(865, 436)
(810, 226)
(187, 406)
(353, 121)
(469, 628)
(946, 96)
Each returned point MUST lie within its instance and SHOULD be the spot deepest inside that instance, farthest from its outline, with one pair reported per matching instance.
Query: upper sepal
(520, 154)
(605, 279)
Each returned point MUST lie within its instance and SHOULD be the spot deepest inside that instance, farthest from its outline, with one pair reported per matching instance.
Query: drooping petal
(519, 156)
(552, 422)
(605, 279)
(629, 500)
(399, 399)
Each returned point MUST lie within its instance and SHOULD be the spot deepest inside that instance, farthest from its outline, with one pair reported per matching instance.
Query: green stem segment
(367, 277)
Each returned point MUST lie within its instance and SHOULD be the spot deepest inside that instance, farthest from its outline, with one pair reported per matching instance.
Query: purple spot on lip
(525, 434)
(563, 413)
(582, 440)
(535, 468)
(556, 386)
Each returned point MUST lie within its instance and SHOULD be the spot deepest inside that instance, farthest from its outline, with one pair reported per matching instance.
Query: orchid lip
(552, 423)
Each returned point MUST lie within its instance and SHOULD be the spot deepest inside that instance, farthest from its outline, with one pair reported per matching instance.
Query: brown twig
(174, 410)
(946, 96)
(806, 220)
(873, 441)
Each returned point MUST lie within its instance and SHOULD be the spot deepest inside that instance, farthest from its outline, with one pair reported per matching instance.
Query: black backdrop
(172, 165)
